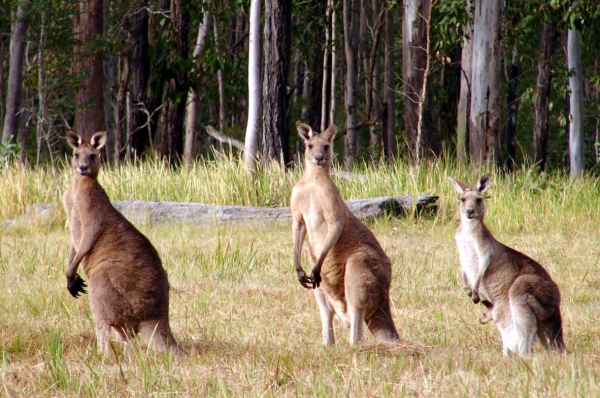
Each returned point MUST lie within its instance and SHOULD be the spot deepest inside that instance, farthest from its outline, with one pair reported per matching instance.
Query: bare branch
(213, 132)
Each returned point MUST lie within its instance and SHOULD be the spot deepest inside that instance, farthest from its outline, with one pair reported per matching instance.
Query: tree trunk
(254, 89)
(576, 143)
(327, 70)
(15, 77)
(334, 55)
(89, 100)
(277, 44)
(512, 107)
(484, 117)
(372, 88)
(120, 108)
(41, 114)
(174, 106)
(316, 76)
(139, 77)
(462, 124)
(419, 116)
(542, 94)
(389, 89)
(191, 121)
(221, 81)
(109, 66)
(351, 19)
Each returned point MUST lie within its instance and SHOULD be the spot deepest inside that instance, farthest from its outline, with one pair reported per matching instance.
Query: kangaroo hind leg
(326, 310)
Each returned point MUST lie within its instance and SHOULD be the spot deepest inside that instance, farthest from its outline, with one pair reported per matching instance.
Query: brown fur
(129, 288)
(518, 292)
(351, 275)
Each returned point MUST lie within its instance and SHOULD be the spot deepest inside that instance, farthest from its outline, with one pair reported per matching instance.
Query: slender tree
(191, 120)
(419, 112)
(389, 89)
(15, 75)
(466, 59)
(543, 87)
(351, 19)
(576, 153)
(254, 89)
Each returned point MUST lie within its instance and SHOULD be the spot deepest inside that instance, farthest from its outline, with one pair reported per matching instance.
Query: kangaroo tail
(381, 324)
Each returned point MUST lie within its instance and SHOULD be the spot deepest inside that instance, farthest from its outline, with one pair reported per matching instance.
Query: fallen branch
(216, 134)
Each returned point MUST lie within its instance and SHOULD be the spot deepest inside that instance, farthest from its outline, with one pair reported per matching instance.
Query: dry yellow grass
(252, 330)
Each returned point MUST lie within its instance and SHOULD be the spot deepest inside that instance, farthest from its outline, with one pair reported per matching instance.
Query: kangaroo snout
(319, 159)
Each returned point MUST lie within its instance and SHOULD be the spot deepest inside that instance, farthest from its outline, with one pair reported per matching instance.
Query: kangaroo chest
(469, 259)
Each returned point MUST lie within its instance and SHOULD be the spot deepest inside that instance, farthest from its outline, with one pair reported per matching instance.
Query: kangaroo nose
(83, 168)
(319, 158)
(470, 212)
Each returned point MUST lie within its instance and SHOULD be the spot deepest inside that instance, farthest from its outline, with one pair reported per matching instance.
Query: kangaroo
(519, 294)
(128, 286)
(351, 275)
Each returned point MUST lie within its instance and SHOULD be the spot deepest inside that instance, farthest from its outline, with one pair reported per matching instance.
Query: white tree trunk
(15, 77)
(576, 102)
(254, 88)
(191, 118)
(484, 117)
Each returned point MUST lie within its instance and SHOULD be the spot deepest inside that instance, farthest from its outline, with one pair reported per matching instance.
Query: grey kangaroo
(519, 294)
(351, 275)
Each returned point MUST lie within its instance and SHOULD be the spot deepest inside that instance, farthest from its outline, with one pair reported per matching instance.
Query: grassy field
(252, 330)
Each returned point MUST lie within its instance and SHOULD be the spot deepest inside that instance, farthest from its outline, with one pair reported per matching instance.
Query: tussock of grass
(252, 330)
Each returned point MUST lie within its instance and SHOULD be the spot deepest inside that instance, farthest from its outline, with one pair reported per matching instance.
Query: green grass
(252, 330)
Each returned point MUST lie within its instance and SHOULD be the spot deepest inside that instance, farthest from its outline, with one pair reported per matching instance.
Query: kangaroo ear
(98, 140)
(304, 131)
(484, 183)
(329, 134)
(74, 139)
(459, 186)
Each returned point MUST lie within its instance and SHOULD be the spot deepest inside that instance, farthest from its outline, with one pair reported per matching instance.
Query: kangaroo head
(471, 199)
(317, 147)
(86, 156)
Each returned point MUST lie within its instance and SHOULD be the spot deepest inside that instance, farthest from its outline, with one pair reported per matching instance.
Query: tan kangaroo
(129, 289)
(519, 294)
(351, 274)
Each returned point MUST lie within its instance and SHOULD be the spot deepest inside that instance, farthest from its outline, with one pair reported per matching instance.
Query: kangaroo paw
(76, 286)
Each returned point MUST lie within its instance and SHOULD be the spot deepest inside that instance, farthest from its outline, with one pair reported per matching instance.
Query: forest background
(512, 82)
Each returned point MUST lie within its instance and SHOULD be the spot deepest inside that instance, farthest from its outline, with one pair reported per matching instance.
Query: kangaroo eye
(309, 146)
(463, 200)
(76, 156)
(479, 200)
(92, 157)
(326, 147)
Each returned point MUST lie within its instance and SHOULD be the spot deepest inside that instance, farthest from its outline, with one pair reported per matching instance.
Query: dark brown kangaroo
(129, 289)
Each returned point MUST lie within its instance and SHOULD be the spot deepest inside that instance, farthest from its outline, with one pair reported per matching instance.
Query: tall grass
(252, 330)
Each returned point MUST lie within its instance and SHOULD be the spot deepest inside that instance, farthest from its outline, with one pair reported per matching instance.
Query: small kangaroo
(129, 289)
(519, 294)
(351, 274)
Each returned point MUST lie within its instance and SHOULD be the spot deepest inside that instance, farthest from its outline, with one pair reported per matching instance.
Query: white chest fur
(467, 252)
